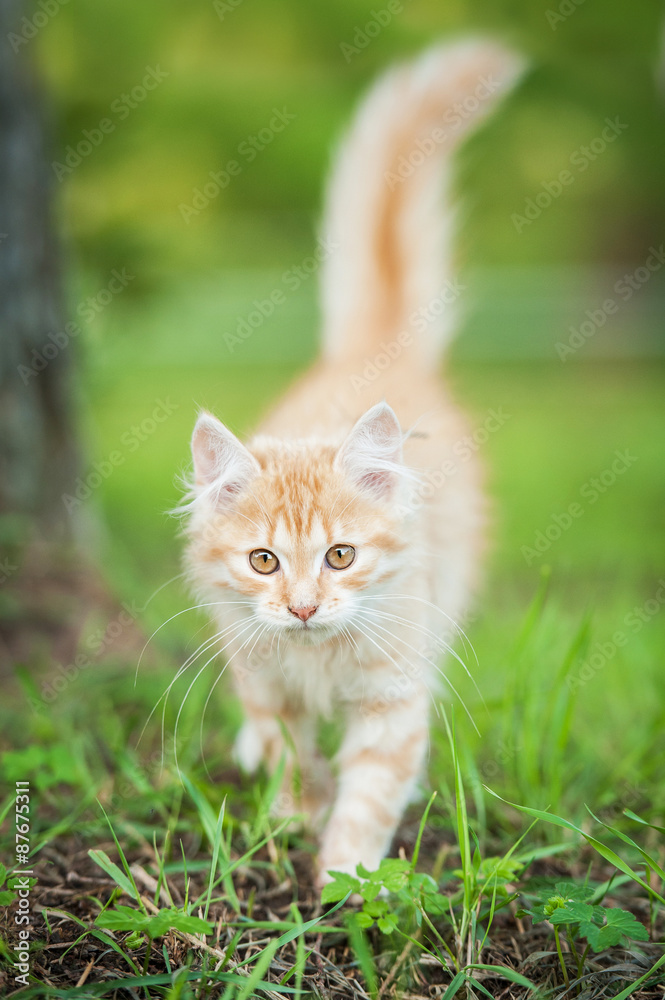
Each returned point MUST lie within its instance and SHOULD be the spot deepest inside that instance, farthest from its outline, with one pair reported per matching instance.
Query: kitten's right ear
(220, 460)
(372, 453)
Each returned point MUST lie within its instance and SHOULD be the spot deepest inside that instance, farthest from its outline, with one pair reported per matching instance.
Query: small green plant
(483, 888)
(413, 904)
(393, 875)
(568, 905)
(143, 927)
(417, 891)
(601, 848)
(125, 918)
(7, 896)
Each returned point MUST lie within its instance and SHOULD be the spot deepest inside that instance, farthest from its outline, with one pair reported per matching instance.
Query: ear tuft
(372, 453)
(222, 465)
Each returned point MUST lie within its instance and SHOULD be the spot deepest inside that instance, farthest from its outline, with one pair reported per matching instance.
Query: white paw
(248, 748)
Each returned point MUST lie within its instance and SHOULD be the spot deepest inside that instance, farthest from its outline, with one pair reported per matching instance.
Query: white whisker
(429, 604)
(443, 645)
(264, 511)
(354, 646)
(432, 663)
(194, 607)
(251, 521)
(232, 631)
(279, 656)
(187, 693)
(219, 676)
(386, 653)
(203, 647)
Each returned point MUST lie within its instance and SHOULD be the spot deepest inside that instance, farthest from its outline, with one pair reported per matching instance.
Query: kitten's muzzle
(303, 613)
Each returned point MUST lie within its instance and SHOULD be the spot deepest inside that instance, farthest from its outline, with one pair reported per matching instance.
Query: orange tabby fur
(334, 464)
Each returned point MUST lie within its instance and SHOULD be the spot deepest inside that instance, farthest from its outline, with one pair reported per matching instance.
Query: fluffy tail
(386, 218)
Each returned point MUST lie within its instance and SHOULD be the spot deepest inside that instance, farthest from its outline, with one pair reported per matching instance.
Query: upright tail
(386, 217)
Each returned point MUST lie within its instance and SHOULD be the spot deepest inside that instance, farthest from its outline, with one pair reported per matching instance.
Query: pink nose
(303, 613)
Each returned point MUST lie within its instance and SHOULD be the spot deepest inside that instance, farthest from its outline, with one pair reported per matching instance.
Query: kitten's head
(300, 530)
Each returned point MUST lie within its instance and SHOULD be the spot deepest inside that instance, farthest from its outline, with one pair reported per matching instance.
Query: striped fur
(334, 464)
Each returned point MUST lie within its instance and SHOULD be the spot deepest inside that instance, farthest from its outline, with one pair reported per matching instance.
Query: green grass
(554, 734)
(570, 640)
(564, 426)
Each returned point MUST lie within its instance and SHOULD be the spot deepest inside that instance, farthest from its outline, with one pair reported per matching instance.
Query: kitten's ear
(220, 459)
(372, 453)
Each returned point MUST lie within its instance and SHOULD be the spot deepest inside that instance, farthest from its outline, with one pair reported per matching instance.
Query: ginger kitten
(348, 532)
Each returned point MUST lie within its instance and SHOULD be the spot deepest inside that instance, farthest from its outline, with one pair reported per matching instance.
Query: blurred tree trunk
(44, 585)
(37, 450)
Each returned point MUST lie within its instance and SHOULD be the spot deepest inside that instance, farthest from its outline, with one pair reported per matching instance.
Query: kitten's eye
(263, 561)
(340, 556)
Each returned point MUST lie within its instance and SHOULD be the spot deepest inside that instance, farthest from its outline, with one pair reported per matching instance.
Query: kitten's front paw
(248, 749)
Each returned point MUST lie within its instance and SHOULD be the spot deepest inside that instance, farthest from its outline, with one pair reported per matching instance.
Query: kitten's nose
(303, 613)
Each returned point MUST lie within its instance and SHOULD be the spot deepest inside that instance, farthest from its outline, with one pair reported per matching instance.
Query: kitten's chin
(309, 634)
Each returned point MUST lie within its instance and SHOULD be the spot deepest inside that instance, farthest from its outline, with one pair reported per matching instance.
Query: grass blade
(416, 849)
(638, 982)
(255, 977)
(363, 954)
(102, 859)
(215, 856)
(605, 852)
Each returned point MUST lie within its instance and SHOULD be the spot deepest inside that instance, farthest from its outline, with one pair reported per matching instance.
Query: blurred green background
(529, 284)
(219, 69)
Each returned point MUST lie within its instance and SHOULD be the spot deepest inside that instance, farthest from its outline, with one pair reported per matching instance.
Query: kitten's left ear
(372, 453)
(220, 460)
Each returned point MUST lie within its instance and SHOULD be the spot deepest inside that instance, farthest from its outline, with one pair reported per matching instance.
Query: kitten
(348, 532)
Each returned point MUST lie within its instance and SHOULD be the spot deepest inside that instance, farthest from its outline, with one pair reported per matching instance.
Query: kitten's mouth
(310, 633)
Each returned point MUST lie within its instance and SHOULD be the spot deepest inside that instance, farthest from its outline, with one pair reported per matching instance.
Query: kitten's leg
(260, 739)
(307, 785)
(380, 761)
